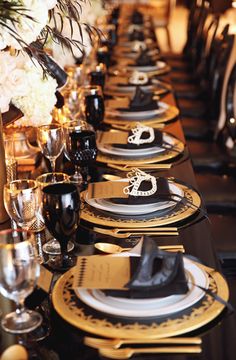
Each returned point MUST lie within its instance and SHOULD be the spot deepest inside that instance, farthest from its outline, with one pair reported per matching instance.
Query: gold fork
(126, 353)
(122, 233)
(116, 343)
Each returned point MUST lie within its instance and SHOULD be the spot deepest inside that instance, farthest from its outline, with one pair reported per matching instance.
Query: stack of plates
(160, 65)
(139, 152)
(113, 206)
(137, 115)
(154, 307)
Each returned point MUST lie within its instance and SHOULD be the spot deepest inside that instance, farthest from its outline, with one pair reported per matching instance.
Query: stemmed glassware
(61, 205)
(51, 142)
(80, 147)
(52, 247)
(21, 200)
(19, 271)
(92, 104)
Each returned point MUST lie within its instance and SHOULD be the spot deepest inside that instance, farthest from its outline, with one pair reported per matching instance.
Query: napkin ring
(138, 131)
(136, 177)
(138, 78)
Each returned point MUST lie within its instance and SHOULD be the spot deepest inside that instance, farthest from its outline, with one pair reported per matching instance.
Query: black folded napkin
(155, 274)
(136, 35)
(142, 101)
(158, 140)
(137, 18)
(162, 193)
(145, 59)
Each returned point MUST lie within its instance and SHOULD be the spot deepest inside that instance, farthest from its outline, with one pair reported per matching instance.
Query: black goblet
(92, 104)
(81, 146)
(61, 205)
(97, 76)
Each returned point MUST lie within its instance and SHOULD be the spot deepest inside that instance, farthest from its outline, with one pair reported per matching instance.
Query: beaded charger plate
(170, 114)
(82, 316)
(181, 211)
(167, 154)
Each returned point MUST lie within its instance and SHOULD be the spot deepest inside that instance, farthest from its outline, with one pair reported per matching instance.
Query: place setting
(143, 106)
(158, 295)
(142, 146)
(161, 201)
(125, 84)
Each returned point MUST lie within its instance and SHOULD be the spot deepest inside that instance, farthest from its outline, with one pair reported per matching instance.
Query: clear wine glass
(92, 104)
(80, 147)
(51, 142)
(19, 271)
(21, 200)
(52, 247)
(61, 205)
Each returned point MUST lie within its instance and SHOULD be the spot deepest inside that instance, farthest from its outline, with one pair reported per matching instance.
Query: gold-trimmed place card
(100, 272)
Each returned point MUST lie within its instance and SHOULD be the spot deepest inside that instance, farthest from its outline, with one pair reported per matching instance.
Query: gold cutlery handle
(169, 341)
(159, 233)
(161, 229)
(126, 353)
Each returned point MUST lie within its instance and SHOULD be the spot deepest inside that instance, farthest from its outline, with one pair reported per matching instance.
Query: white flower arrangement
(30, 78)
(24, 84)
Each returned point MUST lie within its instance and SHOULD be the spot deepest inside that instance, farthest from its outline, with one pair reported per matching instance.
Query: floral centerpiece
(29, 77)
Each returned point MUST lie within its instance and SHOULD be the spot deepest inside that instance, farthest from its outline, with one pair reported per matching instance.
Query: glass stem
(20, 308)
(77, 170)
(84, 172)
(53, 164)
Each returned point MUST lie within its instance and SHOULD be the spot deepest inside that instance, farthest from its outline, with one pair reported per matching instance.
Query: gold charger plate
(75, 312)
(178, 213)
(135, 162)
(170, 114)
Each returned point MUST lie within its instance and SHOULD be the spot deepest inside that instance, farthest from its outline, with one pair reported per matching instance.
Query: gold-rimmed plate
(80, 315)
(176, 149)
(180, 212)
(170, 114)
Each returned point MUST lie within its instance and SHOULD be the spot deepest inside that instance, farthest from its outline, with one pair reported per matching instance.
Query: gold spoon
(116, 249)
(110, 248)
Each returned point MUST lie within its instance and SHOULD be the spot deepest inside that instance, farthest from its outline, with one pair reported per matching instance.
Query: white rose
(17, 83)
(5, 99)
(51, 4)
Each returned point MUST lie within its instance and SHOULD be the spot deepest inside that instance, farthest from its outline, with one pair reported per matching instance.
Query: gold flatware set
(111, 347)
(126, 232)
(140, 166)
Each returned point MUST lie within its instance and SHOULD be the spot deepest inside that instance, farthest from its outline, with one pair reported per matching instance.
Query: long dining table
(65, 341)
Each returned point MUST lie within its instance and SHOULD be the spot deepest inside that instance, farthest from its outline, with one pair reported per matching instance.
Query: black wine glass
(80, 146)
(97, 76)
(61, 205)
(92, 104)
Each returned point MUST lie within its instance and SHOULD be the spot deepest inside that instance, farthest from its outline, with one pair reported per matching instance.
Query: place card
(100, 272)
(107, 190)
(112, 137)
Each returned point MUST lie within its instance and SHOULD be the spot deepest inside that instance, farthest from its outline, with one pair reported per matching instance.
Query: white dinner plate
(127, 209)
(150, 307)
(138, 114)
(111, 150)
(160, 65)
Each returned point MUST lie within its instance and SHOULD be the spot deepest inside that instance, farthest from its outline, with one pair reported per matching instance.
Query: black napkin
(137, 18)
(144, 59)
(162, 193)
(142, 100)
(158, 140)
(155, 274)
(136, 35)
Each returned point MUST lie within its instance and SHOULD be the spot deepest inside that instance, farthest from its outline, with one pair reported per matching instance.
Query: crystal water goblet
(51, 142)
(19, 271)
